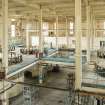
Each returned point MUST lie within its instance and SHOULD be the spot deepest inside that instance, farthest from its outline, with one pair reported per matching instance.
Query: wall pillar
(78, 35)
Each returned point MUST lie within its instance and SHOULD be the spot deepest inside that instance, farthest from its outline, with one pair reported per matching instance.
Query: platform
(28, 61)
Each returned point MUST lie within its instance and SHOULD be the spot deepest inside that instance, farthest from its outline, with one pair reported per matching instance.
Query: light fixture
(12, 19)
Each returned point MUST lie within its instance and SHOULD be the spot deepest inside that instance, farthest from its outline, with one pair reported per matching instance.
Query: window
(55, 28)
(12, 30)
(45, 29)
(71, 28)
(34, 41)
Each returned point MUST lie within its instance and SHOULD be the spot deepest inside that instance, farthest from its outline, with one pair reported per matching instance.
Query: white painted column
(57, 32)
(94, 28)
(27, 35)
(88, 32)
(5, 34)
(5, 42)
(67, 34)
(37, 28)
(41, 45)
(41, 37)
(92, 33)
(91, 30)
(78, 35)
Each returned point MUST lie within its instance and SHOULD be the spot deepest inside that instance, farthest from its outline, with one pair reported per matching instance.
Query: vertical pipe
(78, 34)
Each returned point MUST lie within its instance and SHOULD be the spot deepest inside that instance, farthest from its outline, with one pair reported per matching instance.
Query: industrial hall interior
(52, 52)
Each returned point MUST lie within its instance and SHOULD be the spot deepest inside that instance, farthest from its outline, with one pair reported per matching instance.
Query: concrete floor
(51, 96)
(27, 60)
(59, 80)
(54, 97)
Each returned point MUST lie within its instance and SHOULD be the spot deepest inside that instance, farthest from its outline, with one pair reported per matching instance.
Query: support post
(88, 32)
(78, 34)
(67, 34)
(57, 32)
(93, 30)
(5, 43)
(5, 34)
(40, 74)
(41, 37)
(27, 36)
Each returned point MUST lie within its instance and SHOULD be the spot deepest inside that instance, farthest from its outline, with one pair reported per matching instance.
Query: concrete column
(27, 36)
(37, 28)
(67, 34)
(40, 74)
(88, 32)
(41, 37)
(93, 30)
(91, 26)
(5, 34)
(57, 32)
(78, 35)
(5, 43)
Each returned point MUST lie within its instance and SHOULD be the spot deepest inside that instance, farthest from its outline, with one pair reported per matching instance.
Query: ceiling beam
(23, 2)
(86, 2)
(97, 3)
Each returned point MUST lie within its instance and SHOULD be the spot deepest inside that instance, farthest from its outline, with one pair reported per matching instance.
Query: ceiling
(53, 8)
